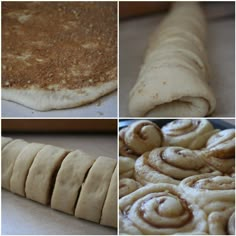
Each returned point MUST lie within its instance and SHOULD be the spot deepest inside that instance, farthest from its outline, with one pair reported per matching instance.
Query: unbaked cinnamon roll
(127, 186)
(158, 209)
(169, 165)
(221, 151)
(222, 143)
(124, 150)
(212, 192)
(126, 167)
(192, 134)
(222, 223)
(141, 136)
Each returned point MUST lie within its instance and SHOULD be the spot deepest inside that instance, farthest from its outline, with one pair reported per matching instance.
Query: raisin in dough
(94, 190)
(22, 166)
(109, 212)
(5, 141)
(42, 173)
(69, 181)
(9, 155)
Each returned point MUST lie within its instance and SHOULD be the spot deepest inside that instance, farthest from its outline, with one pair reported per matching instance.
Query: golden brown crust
(58, 45)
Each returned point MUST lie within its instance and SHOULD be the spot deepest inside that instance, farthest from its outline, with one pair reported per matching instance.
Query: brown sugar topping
(56, 45)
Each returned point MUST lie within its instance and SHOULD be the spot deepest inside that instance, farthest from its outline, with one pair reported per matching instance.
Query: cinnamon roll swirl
(139, 137)
(212, 192)
(127, 186)
(222, 223)
(126, 167)
(169, 165)
(158, 209)
(222, 144)
(220, 150)
(192, 134)
(124, 150)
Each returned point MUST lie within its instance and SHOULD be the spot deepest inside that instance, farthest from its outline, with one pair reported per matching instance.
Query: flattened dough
(5, 141)
(42, 173)
(68, 57)
(109, 212)
(9, 155)
(22, 166)
(69, 180)
(94, 190)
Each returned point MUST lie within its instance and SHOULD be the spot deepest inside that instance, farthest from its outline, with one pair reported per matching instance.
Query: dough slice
(5, 141)
(94, 190)
(22, 166)
(69, 180)
(9, 155)
(109, 212)
(42, 173)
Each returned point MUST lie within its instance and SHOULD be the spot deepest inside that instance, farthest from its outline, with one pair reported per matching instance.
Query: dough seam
(78, 195)
(106, 195)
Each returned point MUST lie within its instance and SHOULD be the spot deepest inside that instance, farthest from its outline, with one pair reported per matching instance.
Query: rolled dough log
(9, 155)
(22, 166)
(94, 190)
(69, 180)
(5, 141)
(110, 205)
(173, 78)
(42, 173)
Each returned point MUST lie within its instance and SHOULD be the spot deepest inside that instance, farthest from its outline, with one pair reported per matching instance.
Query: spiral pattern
(124, 150)
(142, 136)
(212, 192)
(159, 209)
(127, 186)
(222, 223)
(191, 134)
(126, 167)
(169, 165)
(222, 144)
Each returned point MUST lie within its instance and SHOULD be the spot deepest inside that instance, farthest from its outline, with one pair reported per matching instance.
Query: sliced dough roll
(22, 166)
(69, 180)
(5, 141)
(173, 78)
(109, 211)
(42, 173)
(9, 155)
(94, 190)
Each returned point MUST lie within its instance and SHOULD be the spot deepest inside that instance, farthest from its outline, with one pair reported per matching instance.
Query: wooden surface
(59, 125)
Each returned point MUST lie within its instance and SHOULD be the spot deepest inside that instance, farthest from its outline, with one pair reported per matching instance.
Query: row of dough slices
(70, 181)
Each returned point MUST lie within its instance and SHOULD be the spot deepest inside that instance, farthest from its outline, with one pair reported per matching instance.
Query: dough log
(69, 181)
(173, 81)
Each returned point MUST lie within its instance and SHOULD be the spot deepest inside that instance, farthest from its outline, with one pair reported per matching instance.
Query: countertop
(134, 36)
(23, 216)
